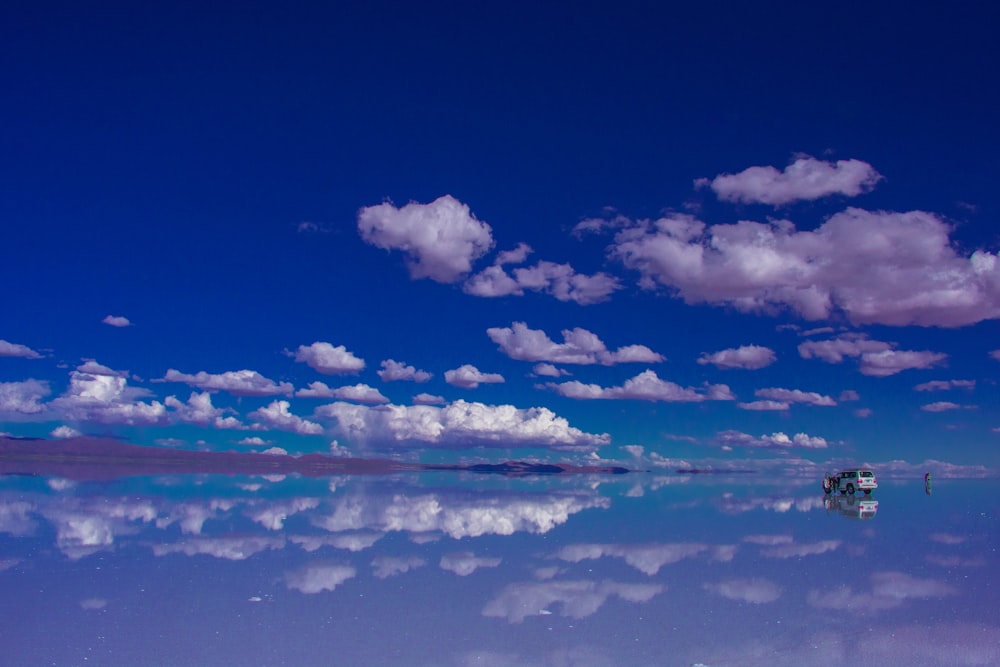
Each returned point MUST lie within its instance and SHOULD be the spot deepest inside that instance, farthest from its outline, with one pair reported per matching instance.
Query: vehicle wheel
(850, 489)
(827, 490)
(868, 492)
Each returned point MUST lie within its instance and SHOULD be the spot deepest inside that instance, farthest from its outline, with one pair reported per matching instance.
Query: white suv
(849, 481)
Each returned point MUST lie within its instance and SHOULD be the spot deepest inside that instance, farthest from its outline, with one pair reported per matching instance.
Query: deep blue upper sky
(233, 182)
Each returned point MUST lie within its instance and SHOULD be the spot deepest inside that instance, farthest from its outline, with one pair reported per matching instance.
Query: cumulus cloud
(579, 346)
(359, 393)
(875, 267)
(327, 359)
(199, 410)
(750, 357)
(238, 383)
(777, 440)
(647, 558)
(459, 424)
(468, 376)
(23, 398)
(645, 386)
(440, 240)
(100, 394)
(877, 358)
(548, 370)
(794, 550)
(351, 541)
(116, 321)
(764, 405)
(277, 415)
(64, 432)
(557, 280)
(754, 591)
(236, 548)
(464, 563)
(795, 396)
(804, 179)
(577, 599)
(428, 399)
(397, 370)
(319, 577)
(16, 350)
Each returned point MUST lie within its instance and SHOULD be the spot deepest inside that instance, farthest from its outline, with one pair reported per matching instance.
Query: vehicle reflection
(851, 507)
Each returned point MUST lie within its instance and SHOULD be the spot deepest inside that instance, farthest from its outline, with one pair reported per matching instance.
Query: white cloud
(199, 410)
(793, 550)
(754, 591)
(15, 350)
(359, 393)
(317, 578)
(995, 354)
(327, 359)
(558, 280)
(577, 599)
(764, 405)
(428, 399)
(943, 406)
(464, 563)
(750, 357)
(548, 370)
(468, 376)
(254, 441)
(98, 393)
(23, 398)
(459, 424)
(777, 440)
(238, 383)
(804, 179)
(875, 267)
(397, 370)
(116, 321)
(795, 396)
(277, 415)
(944, 385)
(877, 358)
(579, 346)
(64, 432)
(272, 516)
(645, 386)
(440, 240)
(351, 541)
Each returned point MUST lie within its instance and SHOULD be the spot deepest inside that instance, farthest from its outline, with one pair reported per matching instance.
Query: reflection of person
(927, 484)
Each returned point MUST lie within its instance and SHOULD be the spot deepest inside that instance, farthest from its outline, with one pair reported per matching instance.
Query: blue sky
(654, 234)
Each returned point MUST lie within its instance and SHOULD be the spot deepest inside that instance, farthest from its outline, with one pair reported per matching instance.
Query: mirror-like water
(456, 569)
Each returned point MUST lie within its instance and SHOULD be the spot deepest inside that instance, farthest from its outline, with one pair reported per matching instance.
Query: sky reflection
(431, 569)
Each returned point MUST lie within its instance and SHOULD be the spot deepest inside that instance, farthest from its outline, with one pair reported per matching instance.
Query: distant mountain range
(92, 459)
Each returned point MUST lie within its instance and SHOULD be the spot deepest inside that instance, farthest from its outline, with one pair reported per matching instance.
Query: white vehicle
(850, 481)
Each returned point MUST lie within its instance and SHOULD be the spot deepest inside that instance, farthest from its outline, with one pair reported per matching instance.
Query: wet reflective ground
(461, 569)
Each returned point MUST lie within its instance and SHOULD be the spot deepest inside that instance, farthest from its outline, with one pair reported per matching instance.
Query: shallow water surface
(461, 569)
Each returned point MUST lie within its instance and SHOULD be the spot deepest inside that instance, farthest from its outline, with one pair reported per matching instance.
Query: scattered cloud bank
(888, 590)
(238, 383)
(804, 179)
(754, 591)
(871, 267)
(877, 358)
(579, 346)
(731, 438)
(647, 558)
(459, 424)
(645, 386)
(944, 385)
(560, 281)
